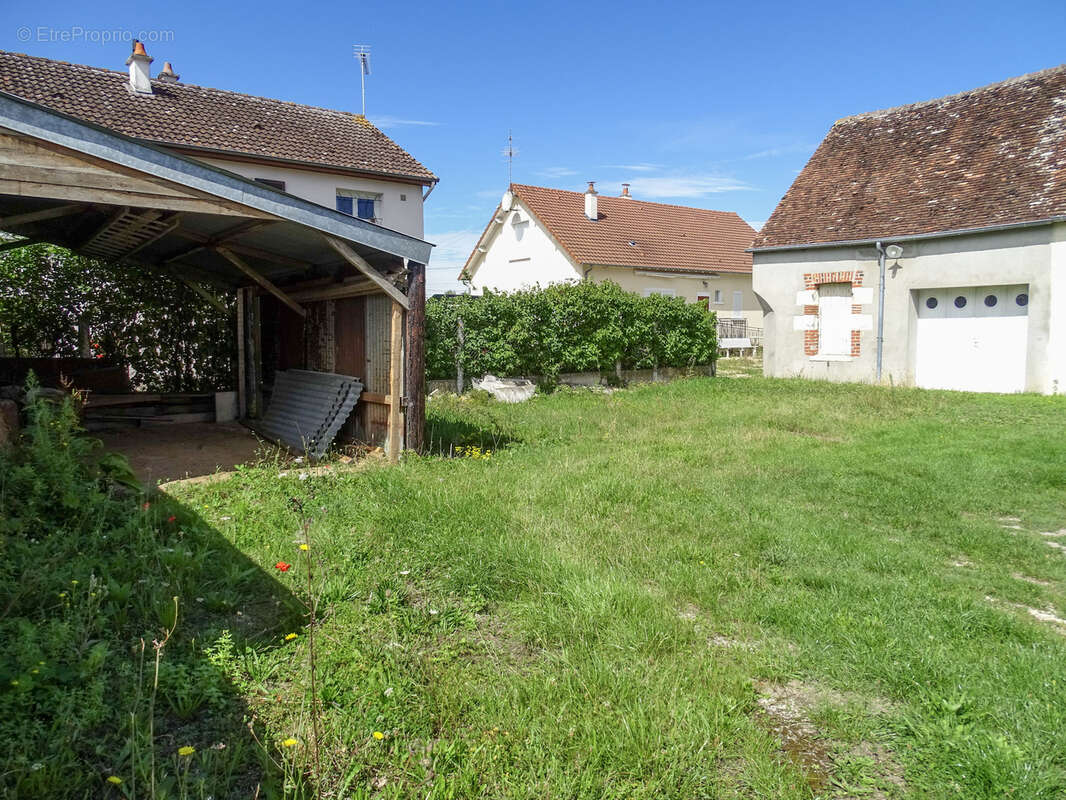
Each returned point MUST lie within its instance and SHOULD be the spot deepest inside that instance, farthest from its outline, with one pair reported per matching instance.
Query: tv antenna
(509, 153)
(362, 54)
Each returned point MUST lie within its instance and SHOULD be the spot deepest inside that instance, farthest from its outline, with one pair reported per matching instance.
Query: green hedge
(573, 327)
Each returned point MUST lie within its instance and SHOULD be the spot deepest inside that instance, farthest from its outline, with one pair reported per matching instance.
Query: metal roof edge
(911, 236)
(31, 119)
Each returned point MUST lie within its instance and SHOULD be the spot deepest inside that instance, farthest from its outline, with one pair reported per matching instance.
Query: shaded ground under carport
(161, 453)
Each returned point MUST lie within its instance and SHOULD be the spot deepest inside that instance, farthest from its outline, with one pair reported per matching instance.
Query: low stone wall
(626, 376)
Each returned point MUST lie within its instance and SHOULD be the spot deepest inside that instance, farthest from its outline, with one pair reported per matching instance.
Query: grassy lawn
(715, 588)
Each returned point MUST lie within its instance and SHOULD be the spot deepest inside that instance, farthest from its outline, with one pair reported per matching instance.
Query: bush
(570, 327)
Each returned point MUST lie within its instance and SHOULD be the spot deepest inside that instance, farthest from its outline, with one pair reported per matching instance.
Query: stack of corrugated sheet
(307, 409)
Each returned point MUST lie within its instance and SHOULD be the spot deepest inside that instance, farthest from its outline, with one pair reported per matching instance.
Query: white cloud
(684, 186)
(635, 167)
(557, 172)
(396, 122)
(776, 152)
(451, 251)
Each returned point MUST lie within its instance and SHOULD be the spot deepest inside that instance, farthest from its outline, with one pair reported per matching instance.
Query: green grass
(603, 606)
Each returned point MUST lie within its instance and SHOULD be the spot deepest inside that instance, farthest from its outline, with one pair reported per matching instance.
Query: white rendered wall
(403, 215)
(1056, 354)
(520, 254)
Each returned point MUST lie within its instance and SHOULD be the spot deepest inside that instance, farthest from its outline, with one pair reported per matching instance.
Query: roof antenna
(362, 52)
(510, 152)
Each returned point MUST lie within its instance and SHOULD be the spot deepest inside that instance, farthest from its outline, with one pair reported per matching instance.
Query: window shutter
(344, 204)
(365, 208)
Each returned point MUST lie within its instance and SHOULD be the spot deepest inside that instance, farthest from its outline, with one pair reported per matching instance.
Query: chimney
(590, 202)
(625, 191)
(138, 62)
(168, 75)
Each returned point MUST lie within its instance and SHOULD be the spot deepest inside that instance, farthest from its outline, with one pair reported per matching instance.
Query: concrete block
(805, 322)
(808, 297)
(225, 406)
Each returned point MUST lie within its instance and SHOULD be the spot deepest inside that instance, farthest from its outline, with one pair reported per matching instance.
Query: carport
(316, 289)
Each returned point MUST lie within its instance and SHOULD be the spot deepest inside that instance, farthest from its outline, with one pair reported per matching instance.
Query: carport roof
(280, 235)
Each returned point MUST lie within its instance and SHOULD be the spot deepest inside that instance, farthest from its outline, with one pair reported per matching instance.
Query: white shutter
(834, 319)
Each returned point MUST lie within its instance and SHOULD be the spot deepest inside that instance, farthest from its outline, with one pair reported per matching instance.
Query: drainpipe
(880, 306)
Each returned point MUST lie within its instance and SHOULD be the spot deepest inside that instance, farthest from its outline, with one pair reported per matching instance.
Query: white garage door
(972, 338)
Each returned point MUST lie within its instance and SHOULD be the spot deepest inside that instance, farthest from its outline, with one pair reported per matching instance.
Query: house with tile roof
(334, 158)
(926, 245)
(540, 236)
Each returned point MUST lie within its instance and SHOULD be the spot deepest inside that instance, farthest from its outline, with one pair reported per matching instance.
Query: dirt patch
(961, 562)
(1029, 579)
(173, 452)
(1054, 534)
(786, 709)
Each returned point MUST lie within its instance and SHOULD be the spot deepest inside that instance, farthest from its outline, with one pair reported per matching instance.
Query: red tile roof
(636, 233)
(990, 156)
(182, 115)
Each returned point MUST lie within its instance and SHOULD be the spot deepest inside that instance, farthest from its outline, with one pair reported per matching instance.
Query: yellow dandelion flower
(187, 750)
(290, 636)
(290, 742)
(304, 547)
(379, 735)
(115, 779)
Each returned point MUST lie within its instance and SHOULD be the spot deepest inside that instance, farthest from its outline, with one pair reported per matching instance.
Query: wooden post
(242, 389)
(460, 337)
(255, 347)
(395, 442)
(415, 379)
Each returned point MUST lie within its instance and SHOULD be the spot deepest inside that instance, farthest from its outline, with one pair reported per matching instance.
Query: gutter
(911, 237)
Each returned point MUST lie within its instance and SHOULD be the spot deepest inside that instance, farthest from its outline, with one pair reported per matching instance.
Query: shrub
(569, 327)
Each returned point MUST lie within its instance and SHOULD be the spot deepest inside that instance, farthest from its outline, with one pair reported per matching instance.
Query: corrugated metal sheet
(308, 408)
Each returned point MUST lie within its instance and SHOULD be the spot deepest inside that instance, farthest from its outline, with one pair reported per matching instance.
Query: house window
(273, 184)
(663, 292)
(358, 204)
(718, 296)
(834, 319)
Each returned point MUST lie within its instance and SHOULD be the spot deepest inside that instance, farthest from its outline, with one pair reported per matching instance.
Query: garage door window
(834, 319)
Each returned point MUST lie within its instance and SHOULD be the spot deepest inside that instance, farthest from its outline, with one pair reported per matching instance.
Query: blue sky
(703, 104)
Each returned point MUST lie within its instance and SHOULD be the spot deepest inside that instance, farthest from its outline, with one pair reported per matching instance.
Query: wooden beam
(39, 216)
(242, 388)
(230, 256)
(105, 226)
(175, 220)
(200, 290)
(335, 291)
(415, 377)
(254, 252)
(395, 426)
(15, 245)
(208, 242)
(361, 264)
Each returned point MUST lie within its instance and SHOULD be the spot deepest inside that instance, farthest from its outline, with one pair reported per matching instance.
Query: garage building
(926, 245)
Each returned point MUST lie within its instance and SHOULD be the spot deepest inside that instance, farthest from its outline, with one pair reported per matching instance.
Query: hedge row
(572, 327)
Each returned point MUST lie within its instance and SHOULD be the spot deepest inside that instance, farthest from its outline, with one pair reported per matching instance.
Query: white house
(926, 245)
(334, 158)
(540, 236)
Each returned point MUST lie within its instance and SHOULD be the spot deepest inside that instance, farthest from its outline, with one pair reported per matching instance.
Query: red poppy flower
(146, 506)
(171, 518)
(281, 565)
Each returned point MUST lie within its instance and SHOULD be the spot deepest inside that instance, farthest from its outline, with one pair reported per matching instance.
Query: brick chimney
(138, 62)
(168, 75)
(625, 192)
(590, 202)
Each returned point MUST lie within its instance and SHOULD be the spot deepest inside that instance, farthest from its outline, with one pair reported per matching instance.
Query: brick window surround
(812, 280)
